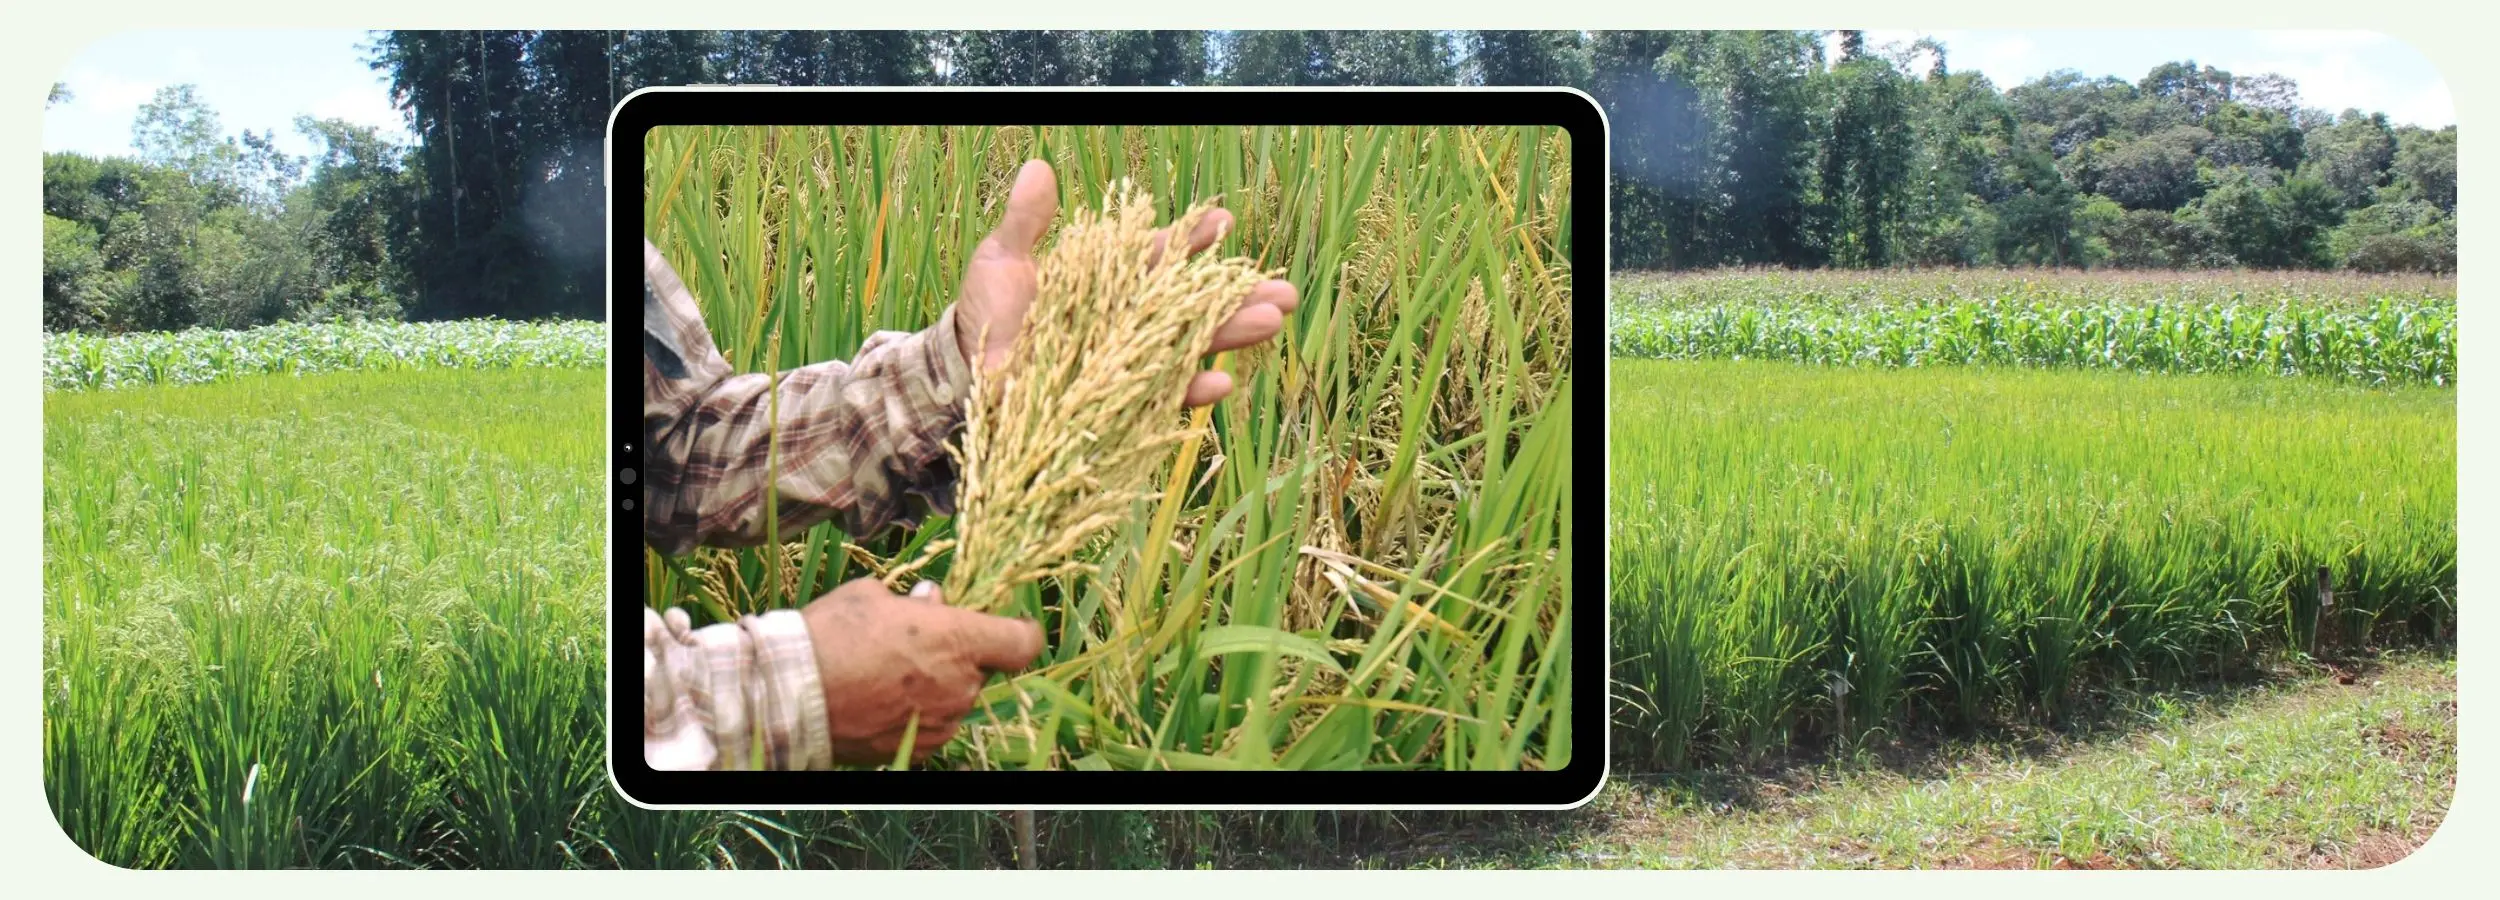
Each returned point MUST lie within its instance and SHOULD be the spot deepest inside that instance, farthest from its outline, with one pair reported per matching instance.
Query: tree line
(1787, 148)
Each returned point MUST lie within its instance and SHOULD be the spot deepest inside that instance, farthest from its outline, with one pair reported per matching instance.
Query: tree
(2243, 135)
(2077, 110)
(360, 189)
(2353, 155)
(1147, 58)
(2199, 92)
(60, 94)
(2426, 165)
(1526, 58)
(1865, 153)
(1744, 171)
(74, 293)
(2145, 239)
(2306, 209)
(2037, 217)
(1962, 128)
(1016, 58)
(466, 96)
(1656, 131)
(1328, 58)
(648, 58)
(2153, 172)
(177, 129)
(2269, 92)
(2264, 221)
(820, 58)
(2397, 236)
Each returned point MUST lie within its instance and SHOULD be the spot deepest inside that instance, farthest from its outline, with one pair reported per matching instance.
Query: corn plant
(82, 361)
(2369, 329)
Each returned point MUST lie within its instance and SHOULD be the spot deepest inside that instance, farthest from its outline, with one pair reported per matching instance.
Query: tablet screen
(1288, 518)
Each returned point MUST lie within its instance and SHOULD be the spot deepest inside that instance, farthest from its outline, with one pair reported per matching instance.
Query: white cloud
(2338, 80)
(363, 106)
(2005, 60)
(110, 94)
(2432, 108)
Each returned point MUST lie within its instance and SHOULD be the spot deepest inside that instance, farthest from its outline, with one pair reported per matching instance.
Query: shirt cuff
(951, 359)
(936, 354)
(676, 719)
(785, 662)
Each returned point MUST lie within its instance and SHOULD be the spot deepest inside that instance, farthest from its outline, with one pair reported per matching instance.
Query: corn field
(2373, 330)
(1363, 560)
(79, 361)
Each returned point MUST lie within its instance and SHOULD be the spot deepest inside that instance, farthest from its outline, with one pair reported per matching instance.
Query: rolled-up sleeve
(738, 695)
(862, 442)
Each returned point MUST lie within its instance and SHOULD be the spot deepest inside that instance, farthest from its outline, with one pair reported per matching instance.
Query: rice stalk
(1066, 436)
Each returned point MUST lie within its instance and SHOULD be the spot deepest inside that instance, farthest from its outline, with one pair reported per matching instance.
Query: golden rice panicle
(1074, 428)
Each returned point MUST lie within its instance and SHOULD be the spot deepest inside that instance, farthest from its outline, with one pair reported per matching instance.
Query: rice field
(356, 620)
(2366, 329)
(353, 618)
(334, 620)
(1818, 555)
(1358, 559)
(332, 596)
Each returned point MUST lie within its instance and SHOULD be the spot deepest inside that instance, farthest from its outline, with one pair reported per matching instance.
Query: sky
(2336, 70)
(262, 80)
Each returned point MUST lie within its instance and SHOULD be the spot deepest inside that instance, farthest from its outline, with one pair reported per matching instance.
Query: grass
(2302, 770)
(81, 361)
(1360, 556)
(2369, 329)
(1817, 555)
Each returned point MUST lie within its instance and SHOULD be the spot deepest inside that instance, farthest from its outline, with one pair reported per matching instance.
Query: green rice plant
(104, 726)
(273, 635)
(2370, 329)
(1357, 560)
(1805, 549)
(401, 564)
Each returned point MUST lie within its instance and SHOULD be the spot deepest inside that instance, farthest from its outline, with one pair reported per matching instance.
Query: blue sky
(264, 79)
(2335, 69)
(259, 80)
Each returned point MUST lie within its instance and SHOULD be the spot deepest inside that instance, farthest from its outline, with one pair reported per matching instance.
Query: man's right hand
(882, 657)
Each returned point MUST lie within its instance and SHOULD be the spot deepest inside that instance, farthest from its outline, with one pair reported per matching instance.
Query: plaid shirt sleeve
(738, 695)
(862, 442)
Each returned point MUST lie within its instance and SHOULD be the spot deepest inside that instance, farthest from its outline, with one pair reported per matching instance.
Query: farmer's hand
(883, 656)
(1002, 279)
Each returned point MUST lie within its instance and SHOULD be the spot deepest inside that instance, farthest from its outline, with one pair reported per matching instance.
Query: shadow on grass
(1636, 804)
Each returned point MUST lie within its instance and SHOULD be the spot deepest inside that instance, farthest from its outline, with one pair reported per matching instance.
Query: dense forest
(1803, 149)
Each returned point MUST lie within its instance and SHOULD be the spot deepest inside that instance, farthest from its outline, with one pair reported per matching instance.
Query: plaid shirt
(863, 443)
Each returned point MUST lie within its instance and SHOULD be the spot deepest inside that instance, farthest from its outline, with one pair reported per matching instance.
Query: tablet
(1371, 575)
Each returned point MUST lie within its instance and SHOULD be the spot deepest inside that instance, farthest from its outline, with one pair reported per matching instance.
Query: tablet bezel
(648, 108)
